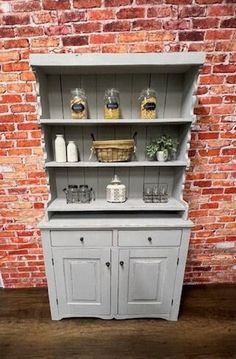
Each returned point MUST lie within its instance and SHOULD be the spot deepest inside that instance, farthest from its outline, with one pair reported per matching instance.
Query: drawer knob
(149, 239)
(121, 263)
(108, 264)
(81, 239)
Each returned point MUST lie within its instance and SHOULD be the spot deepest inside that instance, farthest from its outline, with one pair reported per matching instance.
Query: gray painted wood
(121, 122)
(150, 238)
(82, 280)
(146, 280)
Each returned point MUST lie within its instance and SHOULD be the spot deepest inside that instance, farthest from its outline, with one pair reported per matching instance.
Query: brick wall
(118, 26)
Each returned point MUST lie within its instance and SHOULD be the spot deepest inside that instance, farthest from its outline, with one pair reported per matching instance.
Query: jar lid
(115, 180)
(78, 91)
(147, 93)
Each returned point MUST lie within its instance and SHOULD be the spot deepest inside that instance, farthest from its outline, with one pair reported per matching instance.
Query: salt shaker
(60, 149)
(72, 153)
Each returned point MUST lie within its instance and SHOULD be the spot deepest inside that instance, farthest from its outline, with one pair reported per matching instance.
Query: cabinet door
(146, 280)
(82, 281)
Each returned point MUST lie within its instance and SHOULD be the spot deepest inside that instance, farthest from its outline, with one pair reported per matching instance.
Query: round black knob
(81, 239)
(121, 263)
(150, 239)
(108, 264)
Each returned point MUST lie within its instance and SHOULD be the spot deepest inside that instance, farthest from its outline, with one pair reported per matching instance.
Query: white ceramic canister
(60, 148)
(72, 152)
(116, 191)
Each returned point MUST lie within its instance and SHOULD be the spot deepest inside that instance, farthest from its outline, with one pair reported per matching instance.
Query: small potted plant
(162, 149)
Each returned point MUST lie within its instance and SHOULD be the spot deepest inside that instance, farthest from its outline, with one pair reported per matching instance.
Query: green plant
(166, 143)
(151, 149)
(162, 143)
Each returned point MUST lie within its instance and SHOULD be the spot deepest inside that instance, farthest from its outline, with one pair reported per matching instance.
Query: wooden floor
(206, 329)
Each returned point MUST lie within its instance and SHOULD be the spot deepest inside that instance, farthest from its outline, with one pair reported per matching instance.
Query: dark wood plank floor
(206, 329)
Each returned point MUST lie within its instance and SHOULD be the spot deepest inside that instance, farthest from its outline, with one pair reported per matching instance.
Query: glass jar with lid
(78, 104)
(111, 104)
(148, 104)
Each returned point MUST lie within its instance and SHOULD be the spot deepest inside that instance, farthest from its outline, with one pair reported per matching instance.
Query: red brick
(26, 6)
(145, 48)
(38, 205)
(146, 25)
(115, 48)
(75, 40)
(209, 205)
(178, 2)
(16, 135)
(45, 42)
(220, 10)
(176, 25)
(7, 32)
(80, 4)
(11, 118)
(101, 14)
(21, 19)
(19, 43)
(225, 46)
(208, 135)
(22, 108)
(224, 68)
(87, 27)
(43, 17)
(162, 11)
(208, 152)
(102, 38)
(230, 190)
(28, 143)
(117, 3)
(208, 1)
(116, 26)
(231, 79)
(10, 98)
(231, 22)
(212, 79)
(130, 13)
(27, 76)
(202, 183)
(56, 4)
(9, 56)
(212, 191)
(191, 36)
(207, 23)
(149, 2)
(209, 100)
(192, 11)
(162, 36)
(218, 34)
(56, 30)
(15, 66)
(21, 87)
(71, 16)
(132, 37)
(29, 31)
(223, 109)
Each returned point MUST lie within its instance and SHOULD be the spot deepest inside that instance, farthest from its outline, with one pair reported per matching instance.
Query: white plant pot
(162, 156)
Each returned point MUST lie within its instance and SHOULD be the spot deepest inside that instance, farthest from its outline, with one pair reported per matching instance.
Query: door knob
(121, 263)
(108, 264)
(150, 239)
(81, 239)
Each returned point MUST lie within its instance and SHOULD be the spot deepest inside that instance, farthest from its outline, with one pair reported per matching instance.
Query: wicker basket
(114, 150)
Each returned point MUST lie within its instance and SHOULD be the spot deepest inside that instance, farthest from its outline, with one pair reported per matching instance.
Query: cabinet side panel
(55, 97)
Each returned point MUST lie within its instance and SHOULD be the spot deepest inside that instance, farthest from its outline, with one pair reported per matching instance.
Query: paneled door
(83, 279)
(146, 280)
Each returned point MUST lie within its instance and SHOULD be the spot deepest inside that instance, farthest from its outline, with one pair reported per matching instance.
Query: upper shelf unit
(172, 75)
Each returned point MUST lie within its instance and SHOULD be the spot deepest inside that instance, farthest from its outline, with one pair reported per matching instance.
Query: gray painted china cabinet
(116, 260)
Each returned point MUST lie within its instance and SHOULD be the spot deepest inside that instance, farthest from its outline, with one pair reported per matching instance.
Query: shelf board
(60, 205)
(89, 122)
(94, 164)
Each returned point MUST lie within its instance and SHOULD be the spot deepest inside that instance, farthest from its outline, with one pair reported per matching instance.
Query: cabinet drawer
(81, 238)
(150, 238)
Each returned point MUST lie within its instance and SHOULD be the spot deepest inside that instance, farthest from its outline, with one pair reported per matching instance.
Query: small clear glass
(147, 193)
(163, 190)
(156, 194)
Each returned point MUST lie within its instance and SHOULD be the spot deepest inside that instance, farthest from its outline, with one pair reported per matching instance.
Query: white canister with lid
(60, 148)
(72, 152)
(116, 191)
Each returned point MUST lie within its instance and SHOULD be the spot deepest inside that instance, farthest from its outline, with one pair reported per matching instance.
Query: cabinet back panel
(82, 137)
(169, 89)
(98, 179)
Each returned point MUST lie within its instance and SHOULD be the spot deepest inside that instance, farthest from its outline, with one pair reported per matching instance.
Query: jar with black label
(111, 104)
(148, 104)
(78, 104)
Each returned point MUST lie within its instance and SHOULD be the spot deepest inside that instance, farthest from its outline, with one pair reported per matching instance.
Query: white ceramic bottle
(60, 149)
(72, 152)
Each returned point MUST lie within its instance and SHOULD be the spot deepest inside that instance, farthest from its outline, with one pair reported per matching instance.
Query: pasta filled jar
(78, 104)
(148, 104)
(112, 104)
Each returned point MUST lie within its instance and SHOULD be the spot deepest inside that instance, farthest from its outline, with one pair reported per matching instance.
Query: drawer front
(81, 238)
(150, 238)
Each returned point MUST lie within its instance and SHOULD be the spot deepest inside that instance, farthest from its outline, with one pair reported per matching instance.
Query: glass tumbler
(163, 190)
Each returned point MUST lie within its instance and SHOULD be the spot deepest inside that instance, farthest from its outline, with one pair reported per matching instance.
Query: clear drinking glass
(163, 190)
(147, 193)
